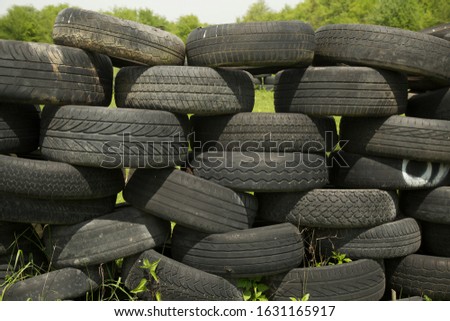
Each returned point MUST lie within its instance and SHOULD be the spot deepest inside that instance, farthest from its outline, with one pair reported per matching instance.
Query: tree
(259, 11)
(185, 24)
(398, 13)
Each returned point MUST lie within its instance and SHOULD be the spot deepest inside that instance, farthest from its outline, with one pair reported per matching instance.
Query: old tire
(389, 240)
(345, 91)
(357, 171)
(123, 232)
(413, 138)
(329, 208)
(190, 201)
(383, 47)
(177, 281)
(436, 239)
(419, 275)
(240, 254)
(127, 42)
(432, 104)
(360, 280)
(53, 180)
(113, 138)
(262, 172)
(264, 132)
(19, 128)
(185, 90)
(254, 44)
(40, 73)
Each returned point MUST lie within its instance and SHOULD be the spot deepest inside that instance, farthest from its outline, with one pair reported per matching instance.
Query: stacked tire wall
(215, 192)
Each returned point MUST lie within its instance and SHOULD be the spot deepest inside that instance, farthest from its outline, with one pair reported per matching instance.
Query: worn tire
(112, 138)
(441, 31)
(345, 91)
(185, 90)
(254, 44)
(359, 280)
(356, 171)
(53, 180)
(264, 132)
(190, 201)
(16, 208)
(432, 104)
(389, 240)
(62, 284)
(124, 232)
(383, 47)
(40, 73)
(419, 139)
(127, 42)
(419, 275)
(436, 239)
(19, 128)
(176, 281)
(254, 252)
(427, 205)
(262, 172)
(329, 208)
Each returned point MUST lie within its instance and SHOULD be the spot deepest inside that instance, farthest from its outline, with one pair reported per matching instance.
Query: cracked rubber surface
(54, 180)
(127, 42)
(113, 137)
(383, 47)
(262, 172)
(177, 281)
(254, 44)
(40, 73)
(64, 284)
(419, 275)
(19, 128)
(345, 91)
(359, 280)
(185, 90)
(124, 232)
(264, 132)
(332, 208)
(254, 252)
(190, 201)
(389, 240)
(398, 137)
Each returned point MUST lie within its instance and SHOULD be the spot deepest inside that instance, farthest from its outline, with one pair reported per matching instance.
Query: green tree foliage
(259, 11)
(185, 24)
(144, 16)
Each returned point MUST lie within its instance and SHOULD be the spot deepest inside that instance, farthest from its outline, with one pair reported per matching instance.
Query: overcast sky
(209, 11)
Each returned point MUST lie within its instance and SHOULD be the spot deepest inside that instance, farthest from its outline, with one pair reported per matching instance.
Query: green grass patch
(264, 102)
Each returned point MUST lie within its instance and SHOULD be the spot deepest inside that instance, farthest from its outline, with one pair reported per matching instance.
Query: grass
(264, 102)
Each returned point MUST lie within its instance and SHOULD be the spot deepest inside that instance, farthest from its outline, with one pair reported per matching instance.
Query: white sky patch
(209, 11)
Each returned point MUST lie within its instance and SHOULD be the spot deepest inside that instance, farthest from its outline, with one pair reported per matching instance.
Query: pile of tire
(249, 195)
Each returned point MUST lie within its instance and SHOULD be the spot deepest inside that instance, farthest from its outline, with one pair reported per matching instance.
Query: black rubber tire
(386, 173)
(389, 240)
(419, 275)
(360, 280)
(329, 208)
(9, 232)
(441, 31)
(127, 41)
(265, 132)
(436, 239)
(418, 84)
(40, 73)
(262, 172)
(185, 90)
(345, 91)
(112, 138)
(176, 281)
(53, 180)
(15, 208)
(250, 253)
(383, 47)
(427, 205)
(62, 284)
(19, 128)
(432, 104)
(398, 137)
(253, 44)
(190, 201)
(124, 232)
